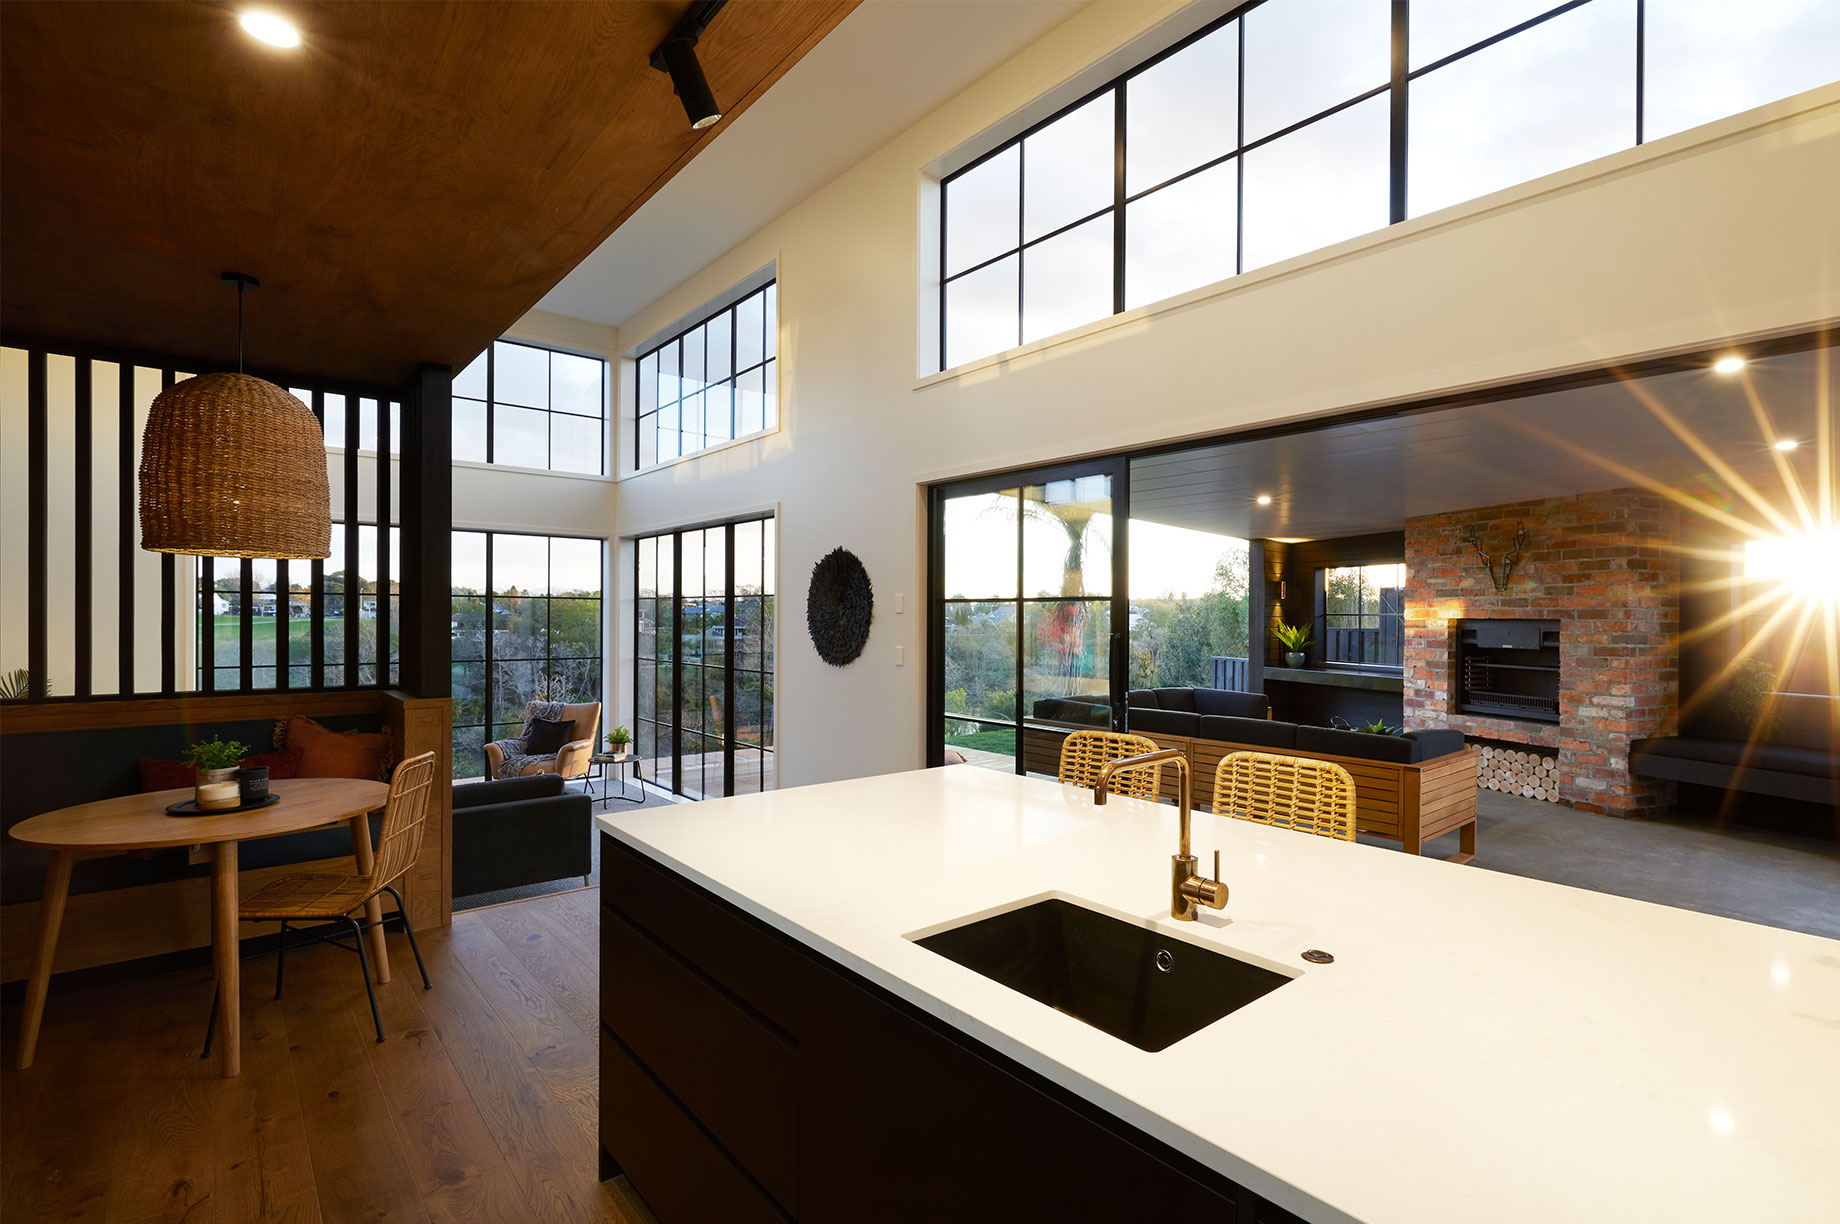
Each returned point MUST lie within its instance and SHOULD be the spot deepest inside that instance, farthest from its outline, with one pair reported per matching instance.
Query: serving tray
(189, 807)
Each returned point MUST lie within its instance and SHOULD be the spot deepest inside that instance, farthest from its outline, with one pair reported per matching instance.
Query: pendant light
(232, 466)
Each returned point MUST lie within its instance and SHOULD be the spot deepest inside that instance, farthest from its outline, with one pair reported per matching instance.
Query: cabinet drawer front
(728, 947)
(732, 1073)
(677, 1170)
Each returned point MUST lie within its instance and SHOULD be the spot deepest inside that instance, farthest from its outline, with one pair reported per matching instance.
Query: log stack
(1514, 770)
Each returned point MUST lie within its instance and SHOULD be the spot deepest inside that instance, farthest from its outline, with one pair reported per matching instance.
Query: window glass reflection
(1304, 56)
(1317, 186)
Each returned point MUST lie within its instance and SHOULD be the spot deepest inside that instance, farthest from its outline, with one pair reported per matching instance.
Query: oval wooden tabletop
(140, 822)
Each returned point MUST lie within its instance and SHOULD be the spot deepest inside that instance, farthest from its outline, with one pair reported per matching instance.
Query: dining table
(141, 822)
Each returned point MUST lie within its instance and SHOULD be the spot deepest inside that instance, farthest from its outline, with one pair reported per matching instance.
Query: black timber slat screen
(86, 613)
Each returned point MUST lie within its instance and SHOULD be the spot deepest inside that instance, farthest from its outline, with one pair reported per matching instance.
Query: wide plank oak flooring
(478, 1108)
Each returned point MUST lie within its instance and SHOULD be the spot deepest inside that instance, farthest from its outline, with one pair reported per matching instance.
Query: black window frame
(1397, 87)
(767, 291)
(489, 728)
(1362, 615)
(491, 404)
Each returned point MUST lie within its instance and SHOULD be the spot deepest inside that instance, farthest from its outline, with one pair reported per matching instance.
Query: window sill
(707, 451)
(530, 471)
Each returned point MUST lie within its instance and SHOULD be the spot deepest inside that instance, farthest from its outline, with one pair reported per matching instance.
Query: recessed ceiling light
(1728, 365)
(271, 28)
(1264, 499)
(1786, 444)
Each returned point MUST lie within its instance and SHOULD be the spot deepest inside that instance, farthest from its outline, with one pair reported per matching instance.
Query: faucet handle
(1217, 866)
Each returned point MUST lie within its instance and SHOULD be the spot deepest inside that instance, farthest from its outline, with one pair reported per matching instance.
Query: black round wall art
(838, 607)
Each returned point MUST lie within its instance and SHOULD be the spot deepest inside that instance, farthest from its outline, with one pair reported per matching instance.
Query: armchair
(569, 761)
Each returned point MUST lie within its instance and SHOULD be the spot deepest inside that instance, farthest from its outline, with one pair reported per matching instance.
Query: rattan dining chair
(1290, 792)
(338, 898)
(1085, 753)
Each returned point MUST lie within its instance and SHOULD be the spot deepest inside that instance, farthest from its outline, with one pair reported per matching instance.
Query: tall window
(704, 650)
(711, 383)
(1296, 124)
(528, 406)
(1364, 615)
(526, 627)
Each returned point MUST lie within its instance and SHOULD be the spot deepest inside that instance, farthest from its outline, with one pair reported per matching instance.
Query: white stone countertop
(1485, 1049)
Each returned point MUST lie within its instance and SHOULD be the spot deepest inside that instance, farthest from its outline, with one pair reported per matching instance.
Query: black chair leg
(280, 957)
(364, 966)
(410, 932)
(210, 1026)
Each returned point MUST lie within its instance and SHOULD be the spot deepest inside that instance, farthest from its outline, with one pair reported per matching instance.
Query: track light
(677, 57)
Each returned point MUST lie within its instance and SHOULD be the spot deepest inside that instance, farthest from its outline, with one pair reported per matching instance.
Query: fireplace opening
(1509, 669)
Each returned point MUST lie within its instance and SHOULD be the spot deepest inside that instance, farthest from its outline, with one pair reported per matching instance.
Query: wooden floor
(480, 1106)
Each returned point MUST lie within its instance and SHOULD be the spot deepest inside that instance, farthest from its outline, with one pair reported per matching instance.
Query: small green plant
(618, 738)
(16, 685)
(216, 754)
(1378, 727)
(1751, 697)
(1294, 637)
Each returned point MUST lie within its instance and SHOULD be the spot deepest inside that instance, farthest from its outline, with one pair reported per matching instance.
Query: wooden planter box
(1409, 804)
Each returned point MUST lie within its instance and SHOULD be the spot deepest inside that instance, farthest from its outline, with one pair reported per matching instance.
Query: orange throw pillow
(325, 753)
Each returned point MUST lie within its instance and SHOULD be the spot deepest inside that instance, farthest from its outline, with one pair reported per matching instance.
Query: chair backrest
(405, 816)
(585, 715)
(1084, 753)
(1290, 792)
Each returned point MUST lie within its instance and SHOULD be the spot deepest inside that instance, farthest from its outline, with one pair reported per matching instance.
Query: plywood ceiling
(1370, 476)
(406, 183)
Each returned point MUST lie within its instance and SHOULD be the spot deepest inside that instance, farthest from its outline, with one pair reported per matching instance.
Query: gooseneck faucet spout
(1188, 890)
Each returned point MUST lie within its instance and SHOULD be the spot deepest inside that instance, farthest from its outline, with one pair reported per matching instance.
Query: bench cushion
(1142, 699)
(1435, 742)
(1176, 699)
(1255, 732)
(1163, 722)
(1231, 704)
(1782, 758)
(1331, 741)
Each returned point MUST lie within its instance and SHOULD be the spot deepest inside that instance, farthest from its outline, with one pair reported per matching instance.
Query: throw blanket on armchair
(515, 756)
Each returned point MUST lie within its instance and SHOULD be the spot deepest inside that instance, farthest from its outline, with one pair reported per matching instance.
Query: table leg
(225, 958)
(373, 909)
(38, 981)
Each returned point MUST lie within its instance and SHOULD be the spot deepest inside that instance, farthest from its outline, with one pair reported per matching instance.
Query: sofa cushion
(1142, 699)
(1332, 741)
(1077, 710)
(1435, 742)
(1782, 758)
(1260, 732)
(507, 790)
(325, 753)
(1163, 722)
(1230, 703)
(1176, 699)
(174, 775)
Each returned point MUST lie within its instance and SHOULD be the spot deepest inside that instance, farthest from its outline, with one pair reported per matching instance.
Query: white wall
(1722, 233)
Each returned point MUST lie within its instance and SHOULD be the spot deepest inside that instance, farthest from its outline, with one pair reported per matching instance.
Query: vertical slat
(1118, 210)
(125, 540)
(316, 601)
(284, 624)
(383, 542)
(169, 595)
(728, 661)
(353, 601)
(427, 532)
(38, 526)
(207, 624)
(1641, 68)
(83, 520)
(245, 627)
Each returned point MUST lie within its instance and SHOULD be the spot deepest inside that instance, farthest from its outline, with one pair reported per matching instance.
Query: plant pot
(216, 789)
(1293, 658)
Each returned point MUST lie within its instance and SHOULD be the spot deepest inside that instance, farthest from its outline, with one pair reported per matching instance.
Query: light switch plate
(900, 656)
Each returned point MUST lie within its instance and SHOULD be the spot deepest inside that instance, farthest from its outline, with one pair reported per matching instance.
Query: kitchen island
(1482, 1048)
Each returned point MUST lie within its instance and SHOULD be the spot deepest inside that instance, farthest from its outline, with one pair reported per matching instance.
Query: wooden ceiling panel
(406, 183)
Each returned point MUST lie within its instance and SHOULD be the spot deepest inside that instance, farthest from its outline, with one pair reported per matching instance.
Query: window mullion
(1119, 153)
(1396, 112)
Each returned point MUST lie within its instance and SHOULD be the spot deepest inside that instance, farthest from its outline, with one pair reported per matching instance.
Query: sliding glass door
(1028, 612)
(704, 653)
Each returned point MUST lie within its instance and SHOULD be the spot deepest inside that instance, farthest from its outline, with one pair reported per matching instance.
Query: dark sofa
(517, 831)
(1798, 762)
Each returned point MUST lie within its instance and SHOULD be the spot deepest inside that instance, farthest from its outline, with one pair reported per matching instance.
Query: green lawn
(1001, 742)
(226, 638)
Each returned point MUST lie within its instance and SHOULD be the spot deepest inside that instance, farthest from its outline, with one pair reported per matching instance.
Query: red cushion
(159, 775)
(336, 754)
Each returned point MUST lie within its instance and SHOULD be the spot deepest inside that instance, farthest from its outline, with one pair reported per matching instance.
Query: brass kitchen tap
(1188, 892)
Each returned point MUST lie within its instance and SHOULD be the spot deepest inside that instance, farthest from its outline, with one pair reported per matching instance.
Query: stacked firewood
(1519, 771)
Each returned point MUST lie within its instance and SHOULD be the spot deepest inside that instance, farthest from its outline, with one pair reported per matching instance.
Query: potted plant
(617, 740)
(1295, 638)
(215, 761)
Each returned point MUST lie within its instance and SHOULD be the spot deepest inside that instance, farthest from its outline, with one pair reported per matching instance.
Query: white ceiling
(884, 67)
(1372, 475)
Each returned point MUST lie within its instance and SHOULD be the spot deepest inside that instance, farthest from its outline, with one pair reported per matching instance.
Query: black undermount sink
(1130, 981)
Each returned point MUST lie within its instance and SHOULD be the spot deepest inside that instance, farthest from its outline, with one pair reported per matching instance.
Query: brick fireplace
(1602, 566)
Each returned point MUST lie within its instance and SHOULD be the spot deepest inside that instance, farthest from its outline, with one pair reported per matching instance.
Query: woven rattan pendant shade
(232, 466)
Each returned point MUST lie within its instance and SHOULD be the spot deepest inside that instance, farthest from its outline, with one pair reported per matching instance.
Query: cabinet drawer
(735, 1075)
(682, 1176)
(732, 949)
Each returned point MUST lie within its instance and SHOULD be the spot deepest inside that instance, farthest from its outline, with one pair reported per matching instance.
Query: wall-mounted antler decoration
(1474, 540)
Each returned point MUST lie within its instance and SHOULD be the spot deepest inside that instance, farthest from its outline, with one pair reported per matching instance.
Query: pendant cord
(239, 327)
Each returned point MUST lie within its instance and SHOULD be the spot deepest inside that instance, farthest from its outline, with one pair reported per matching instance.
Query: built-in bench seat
(1785, 771)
